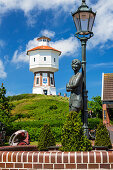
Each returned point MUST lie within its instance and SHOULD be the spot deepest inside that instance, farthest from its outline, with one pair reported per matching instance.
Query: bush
(53, 107)
(5, 111)
(73, 138)
(93, 123)
(102, 136)
(46, 138)
(95, 105)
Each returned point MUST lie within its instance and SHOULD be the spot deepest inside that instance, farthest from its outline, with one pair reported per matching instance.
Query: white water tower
(43, 62)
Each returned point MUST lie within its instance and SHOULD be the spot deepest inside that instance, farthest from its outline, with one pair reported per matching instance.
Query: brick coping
(23, 160)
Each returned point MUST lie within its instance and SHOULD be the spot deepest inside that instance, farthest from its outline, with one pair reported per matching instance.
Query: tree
(95, 105)
(46, 138)
(5, 109)
(73, 138)
(102, 136)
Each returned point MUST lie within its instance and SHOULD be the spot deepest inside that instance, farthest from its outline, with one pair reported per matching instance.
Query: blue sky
(22, 21)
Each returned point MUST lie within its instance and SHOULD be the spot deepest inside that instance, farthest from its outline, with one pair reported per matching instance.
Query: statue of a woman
(75, 87)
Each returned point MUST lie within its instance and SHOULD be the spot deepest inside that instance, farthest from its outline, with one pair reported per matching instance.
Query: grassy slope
(30, 112)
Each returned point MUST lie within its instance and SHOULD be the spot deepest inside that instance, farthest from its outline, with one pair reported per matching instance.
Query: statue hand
(68, 87)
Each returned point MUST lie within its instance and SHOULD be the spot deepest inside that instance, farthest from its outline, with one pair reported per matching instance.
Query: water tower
(43, 62)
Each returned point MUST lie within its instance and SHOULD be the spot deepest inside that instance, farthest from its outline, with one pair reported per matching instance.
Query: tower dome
(43, 62)
(43, 41)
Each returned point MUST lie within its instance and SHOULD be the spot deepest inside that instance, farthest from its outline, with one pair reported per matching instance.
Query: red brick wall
(107, 120)
(56, 160)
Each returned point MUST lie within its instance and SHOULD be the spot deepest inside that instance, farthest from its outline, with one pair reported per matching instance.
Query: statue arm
(76, 82)
(68, 88)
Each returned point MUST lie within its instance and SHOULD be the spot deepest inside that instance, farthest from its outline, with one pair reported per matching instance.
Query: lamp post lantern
(84, 19)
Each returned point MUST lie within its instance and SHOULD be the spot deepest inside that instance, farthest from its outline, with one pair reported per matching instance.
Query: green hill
(31, 111)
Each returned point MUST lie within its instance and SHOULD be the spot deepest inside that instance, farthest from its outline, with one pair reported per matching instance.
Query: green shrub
(73, 138)
(46, 138)
(102, 136)
(5, 111)
(53, 107)
(93, 123)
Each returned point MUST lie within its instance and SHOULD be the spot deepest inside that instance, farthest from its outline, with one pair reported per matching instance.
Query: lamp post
(84, 19)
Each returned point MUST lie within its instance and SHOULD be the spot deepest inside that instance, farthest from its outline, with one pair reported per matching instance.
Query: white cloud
(8, 93)
(3, 74)
(20, 57)
(109, 64)
(103, 27)
(67, 46)
(28, 5)
(62, 88)
(99, 65)
(47, 33)
(32, 8)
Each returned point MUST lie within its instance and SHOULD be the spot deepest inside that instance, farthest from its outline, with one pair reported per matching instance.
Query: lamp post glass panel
(84, 19)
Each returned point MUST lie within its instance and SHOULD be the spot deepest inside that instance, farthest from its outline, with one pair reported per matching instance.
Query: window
(51, 80)
(44, 79)
(44, 40)
(44, 74)
(38, 74)
(54, 59)
(44, 58)
(37, 81)
(34, 59)
(104, 115)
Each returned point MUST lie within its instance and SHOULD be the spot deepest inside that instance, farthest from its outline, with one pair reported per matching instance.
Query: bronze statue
(75, 87)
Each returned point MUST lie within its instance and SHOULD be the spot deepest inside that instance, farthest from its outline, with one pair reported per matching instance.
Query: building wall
(44, 62)
(39, 64)
(40, 90)
(56, 63)
(106, 119)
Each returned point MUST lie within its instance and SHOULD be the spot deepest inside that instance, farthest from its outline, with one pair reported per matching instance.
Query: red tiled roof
(43, 48)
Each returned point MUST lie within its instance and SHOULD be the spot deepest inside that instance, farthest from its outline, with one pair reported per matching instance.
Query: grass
(31, 112)
(34, 143)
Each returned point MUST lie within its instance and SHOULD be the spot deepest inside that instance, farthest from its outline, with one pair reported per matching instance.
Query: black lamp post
(84, 19)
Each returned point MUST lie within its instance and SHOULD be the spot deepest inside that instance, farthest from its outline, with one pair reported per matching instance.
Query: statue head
(76, 65)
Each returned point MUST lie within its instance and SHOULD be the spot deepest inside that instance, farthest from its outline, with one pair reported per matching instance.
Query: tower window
(34, 59)
(37, 81)
(54, 60)
(44, 58)
(37, 74)
(51, 80)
